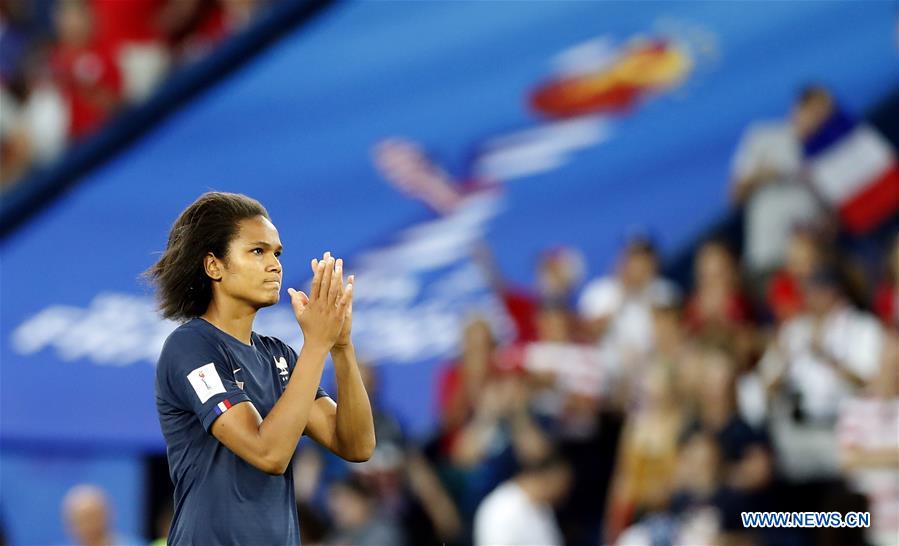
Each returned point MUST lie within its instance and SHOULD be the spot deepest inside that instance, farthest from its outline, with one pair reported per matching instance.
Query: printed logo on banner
(440, 284)
(206, 382)
(592, 85)
(415, 294)
(411, 315)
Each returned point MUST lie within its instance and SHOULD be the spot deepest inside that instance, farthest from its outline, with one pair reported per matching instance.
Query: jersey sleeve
(291, 357)
(197, 377)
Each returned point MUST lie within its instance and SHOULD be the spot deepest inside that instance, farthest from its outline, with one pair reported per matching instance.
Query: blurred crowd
(633, 413)
(635, 410)
(632, 409)
(68, 66)
(629, 409)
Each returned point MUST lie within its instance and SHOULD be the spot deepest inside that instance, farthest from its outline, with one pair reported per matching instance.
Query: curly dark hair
(206, 226)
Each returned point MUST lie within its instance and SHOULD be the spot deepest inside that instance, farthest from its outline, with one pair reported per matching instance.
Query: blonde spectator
(647, 454)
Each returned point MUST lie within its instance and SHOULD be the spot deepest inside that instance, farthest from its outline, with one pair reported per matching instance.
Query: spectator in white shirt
(520, 511)
(818, 361)
(618, 308)
(767, 181)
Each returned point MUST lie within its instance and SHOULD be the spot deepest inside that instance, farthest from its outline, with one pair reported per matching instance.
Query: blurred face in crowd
(699, 463)
(558, 273)
(658, 388)
(810, 113)
(666, 326)
(820, 297)
(74, 24)
(87, 514)
(349, 508)
(478, 336)
(714, 265)
(251, 271)
(803, 255)
(553, 325)
(239, 12)
(717, 381)
(689, 378)
(477, 341)
(638, 268)
(552, 277)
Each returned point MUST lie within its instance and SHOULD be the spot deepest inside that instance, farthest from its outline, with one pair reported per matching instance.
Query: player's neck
(235, 320)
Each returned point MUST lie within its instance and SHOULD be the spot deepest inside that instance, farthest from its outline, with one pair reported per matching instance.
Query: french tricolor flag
(854, 169)
(222, 407)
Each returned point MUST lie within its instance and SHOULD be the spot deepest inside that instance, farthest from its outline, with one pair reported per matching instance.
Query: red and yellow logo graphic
(639, 68)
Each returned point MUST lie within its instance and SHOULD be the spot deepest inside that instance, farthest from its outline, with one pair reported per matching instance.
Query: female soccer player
(232, 403)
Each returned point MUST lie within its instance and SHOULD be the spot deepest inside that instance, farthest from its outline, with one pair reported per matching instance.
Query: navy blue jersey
(219, 497)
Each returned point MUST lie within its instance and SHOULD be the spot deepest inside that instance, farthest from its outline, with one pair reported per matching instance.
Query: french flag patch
(222, 407)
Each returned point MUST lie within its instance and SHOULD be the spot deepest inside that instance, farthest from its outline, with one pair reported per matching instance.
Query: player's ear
(213, 266)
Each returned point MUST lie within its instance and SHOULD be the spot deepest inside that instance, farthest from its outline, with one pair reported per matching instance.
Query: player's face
(252, 271)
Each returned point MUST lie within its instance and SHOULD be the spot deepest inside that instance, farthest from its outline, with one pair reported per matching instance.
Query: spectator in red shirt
(717, 303)
(135, 32)
(718, 311)
(85, 70)
(460, 384)
(119, 22)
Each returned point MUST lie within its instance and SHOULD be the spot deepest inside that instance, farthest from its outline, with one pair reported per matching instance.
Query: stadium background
(412, 140)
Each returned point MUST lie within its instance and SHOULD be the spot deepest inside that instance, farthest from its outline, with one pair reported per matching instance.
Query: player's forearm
(281, 429)
(355, 429)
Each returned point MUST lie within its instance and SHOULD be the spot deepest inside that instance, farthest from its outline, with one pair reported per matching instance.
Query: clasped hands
(326, 314)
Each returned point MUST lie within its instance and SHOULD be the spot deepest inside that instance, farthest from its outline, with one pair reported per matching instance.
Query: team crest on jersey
(281, 363)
